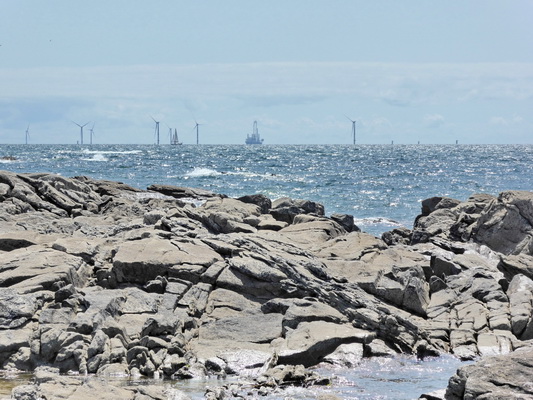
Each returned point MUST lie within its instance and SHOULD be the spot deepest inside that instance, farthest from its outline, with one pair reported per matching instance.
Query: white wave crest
(376, 221)
(199, 172)
(98, 157)
(87, 151)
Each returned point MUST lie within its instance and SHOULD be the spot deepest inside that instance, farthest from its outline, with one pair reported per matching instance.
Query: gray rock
(511, 213)
(285, 209)
(179, 192)
(264, 203)
(520, 293)
(111, 279)
(501, 377)
(346, 221)
(310, 342)
(41, 269)
(397, 236)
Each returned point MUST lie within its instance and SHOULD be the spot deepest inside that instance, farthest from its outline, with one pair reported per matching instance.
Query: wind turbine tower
(197, 135)
(156, 129)
(353, 129)
(81, 130)
(92, 133)
(27, 133)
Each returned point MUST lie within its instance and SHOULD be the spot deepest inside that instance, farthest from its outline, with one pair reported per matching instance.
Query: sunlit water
(398, 378)
(381, 186)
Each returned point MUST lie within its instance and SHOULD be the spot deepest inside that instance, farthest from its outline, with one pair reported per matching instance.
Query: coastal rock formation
(498, 377)
(101, 278)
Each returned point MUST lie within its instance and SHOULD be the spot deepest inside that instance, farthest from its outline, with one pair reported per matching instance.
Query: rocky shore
(100, 279)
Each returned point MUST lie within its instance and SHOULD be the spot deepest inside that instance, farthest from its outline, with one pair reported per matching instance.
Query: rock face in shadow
(102, 278)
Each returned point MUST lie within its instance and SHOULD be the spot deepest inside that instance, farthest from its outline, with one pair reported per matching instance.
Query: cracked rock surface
(98, 277)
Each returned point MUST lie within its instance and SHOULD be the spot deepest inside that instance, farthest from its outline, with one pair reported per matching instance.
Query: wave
(198, 172)
(87, 151)
(98, 157)
(377, 221)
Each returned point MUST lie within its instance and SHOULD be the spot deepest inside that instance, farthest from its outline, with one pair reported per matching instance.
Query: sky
(425, 71)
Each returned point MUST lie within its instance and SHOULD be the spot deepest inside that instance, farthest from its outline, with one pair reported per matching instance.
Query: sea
(381, 186)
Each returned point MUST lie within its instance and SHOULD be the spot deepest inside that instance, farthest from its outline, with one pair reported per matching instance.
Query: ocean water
(380, 185)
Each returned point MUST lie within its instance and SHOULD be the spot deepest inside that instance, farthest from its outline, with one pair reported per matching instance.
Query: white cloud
(434, 120)
(386, 99)
(396, 83)
(499, 120)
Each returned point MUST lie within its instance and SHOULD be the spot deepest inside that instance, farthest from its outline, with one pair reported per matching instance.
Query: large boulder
(506, 225)
(285, 209)
(500, 377)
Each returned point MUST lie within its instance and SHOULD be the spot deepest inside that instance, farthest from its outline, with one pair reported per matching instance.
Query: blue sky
(409, 71)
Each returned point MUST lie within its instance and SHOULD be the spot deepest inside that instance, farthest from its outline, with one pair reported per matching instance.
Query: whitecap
(376, 221)
(87, 151)
(199, 172)
(99, 157)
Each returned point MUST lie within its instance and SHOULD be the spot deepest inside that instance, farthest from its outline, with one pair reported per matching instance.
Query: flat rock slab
(33, 269)
(259, 328)
(311, 341)
(139, 261)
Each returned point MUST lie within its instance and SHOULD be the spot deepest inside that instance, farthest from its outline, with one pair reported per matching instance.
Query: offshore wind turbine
(353, 128)
(156, 129)
(169, 133)
(81, 130)
(27, 133)
(197, 135)
(92, 133)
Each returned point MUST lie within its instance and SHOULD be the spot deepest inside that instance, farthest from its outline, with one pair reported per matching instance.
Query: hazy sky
(408, 71)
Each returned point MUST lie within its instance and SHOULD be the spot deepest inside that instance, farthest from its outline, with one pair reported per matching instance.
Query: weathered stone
(502, 377)
(311, 341)
(506, 223)
(111, 279)
(520, 294)
(264, 203)
(144, 260)
(346, 221)
(36, 268)
(285, 209)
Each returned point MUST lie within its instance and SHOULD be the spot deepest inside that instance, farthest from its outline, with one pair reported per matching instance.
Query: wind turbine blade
(349, 118)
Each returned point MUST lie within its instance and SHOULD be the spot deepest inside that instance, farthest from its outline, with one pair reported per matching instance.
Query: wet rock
(346, 355)
(51, 385)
